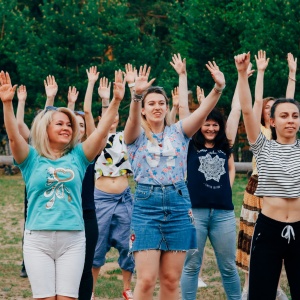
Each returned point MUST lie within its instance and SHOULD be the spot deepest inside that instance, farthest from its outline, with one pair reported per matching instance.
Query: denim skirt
(162, 218)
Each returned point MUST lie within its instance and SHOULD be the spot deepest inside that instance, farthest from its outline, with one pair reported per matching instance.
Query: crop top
(278, 168)
(267, 132)
(160, 164)
(113, 160)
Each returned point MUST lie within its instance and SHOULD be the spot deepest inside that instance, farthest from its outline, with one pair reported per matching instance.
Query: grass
(109, 285)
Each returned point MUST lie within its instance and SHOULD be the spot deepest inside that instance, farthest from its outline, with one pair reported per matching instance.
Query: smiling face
(59, 130)
(286, 122)
(210, 130)
(155, 108)
(267, 110)
(81, 123)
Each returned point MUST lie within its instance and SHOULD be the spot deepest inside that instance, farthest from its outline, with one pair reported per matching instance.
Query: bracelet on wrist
(130, 85)
(104, 106)
(137, 98)
(217, 90)
(292, 79)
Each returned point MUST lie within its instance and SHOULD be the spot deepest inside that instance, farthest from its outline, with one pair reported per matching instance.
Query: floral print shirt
(161, 164)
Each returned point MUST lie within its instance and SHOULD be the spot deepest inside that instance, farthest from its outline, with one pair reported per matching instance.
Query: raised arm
(72, 97)
(179, 66)
(252, 126)
(92, 75)
(104, 93)
(23, 128)
(291, 86)
(18, 145)
(261, 63)
(133, 125)
(97, 140)
(192, 123)
(175, 104)
(200, 94)
(130, 75)
(50, 89)
(232, 123)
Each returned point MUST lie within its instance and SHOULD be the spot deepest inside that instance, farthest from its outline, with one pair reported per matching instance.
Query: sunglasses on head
(79, 112)
(49, 108)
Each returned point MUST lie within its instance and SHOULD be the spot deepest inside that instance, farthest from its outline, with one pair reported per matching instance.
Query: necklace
(159, 140)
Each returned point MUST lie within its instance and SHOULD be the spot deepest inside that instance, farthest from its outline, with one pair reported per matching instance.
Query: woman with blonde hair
(53, 169)
(162, 226)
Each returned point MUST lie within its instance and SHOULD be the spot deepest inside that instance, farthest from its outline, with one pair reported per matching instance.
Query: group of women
(183, 171)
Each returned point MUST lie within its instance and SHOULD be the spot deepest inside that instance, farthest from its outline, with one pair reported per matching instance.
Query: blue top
(164, 163)
(54, 190)
(208, 178)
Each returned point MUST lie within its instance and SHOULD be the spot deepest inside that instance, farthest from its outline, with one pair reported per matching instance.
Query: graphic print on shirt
(55, 180)
(155, 152)
(212, 167)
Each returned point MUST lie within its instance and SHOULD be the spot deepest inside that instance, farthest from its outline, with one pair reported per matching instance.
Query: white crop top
(113, 160)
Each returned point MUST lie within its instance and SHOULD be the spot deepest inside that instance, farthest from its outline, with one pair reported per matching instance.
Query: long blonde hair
(39, 136)
(145, 125)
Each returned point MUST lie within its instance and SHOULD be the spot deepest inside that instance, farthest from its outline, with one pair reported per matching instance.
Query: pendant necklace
(160, 140)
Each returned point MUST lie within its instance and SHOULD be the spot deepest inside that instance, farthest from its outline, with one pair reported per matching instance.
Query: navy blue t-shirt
(88, 185)
(208, 178)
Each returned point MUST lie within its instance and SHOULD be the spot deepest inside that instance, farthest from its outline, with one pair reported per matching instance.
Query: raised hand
(92, 74)
(104, 88)
(72, 94)
(119, 86)
(200, 94)
(50, 86)
(130, 73)
(178, 64)
(292, 63)
(242, 62)
(249, 70)
(7, 91)
(22, 93)
(216, 74)
(141, 81)
(261, 60)
(175, 96)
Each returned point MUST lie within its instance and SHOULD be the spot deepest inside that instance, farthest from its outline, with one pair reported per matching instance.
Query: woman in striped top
(277, 231)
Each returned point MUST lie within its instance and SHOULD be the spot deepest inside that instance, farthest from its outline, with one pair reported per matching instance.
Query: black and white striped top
(278, 168)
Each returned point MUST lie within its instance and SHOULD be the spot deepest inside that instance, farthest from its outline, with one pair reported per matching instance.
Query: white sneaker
(280, 295)
(201, 284)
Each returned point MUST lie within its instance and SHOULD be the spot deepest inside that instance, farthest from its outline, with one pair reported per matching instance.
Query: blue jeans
(220, 226)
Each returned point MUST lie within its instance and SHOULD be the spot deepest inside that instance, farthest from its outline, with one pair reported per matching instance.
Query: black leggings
(268, 250)
(91, 235)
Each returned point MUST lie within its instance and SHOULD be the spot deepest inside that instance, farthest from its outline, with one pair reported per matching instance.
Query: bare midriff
(113, 185)
(282, 209)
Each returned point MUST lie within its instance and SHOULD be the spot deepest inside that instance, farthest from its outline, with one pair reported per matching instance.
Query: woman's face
(210, 130)
(286, 120)
(81, 123)
(155, 108)
(267, 110)
(59, 130)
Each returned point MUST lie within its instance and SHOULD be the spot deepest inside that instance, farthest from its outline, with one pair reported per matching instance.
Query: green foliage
(65, 37)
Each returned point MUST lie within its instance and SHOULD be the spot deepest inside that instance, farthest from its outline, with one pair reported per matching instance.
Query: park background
(65, 37)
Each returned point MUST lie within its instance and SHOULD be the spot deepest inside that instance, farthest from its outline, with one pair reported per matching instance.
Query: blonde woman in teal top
(53, 170)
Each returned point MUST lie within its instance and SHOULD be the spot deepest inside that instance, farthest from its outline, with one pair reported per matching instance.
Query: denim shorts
(54, 262)
(162, 218)
(113, 213)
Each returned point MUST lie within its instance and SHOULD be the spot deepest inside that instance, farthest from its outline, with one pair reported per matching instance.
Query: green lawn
(109, 284)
